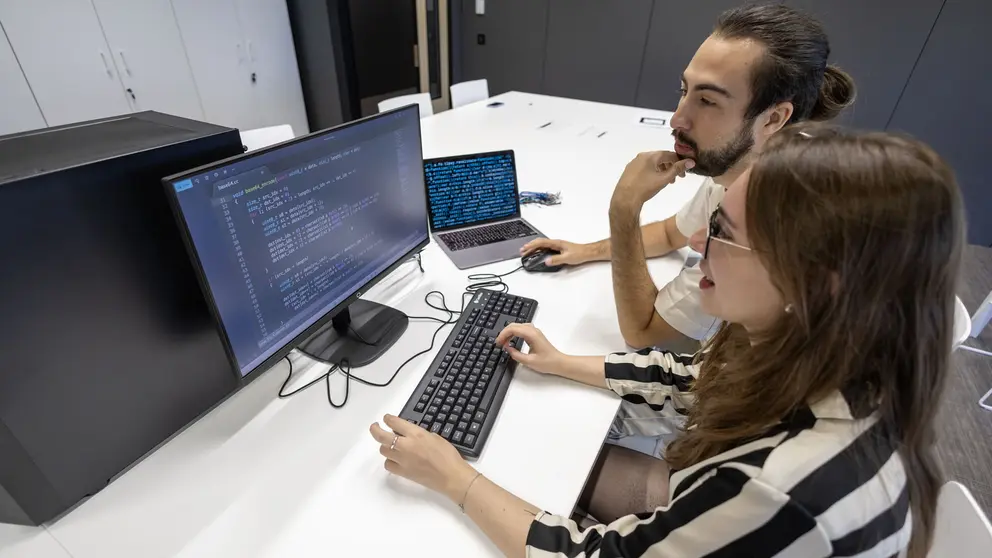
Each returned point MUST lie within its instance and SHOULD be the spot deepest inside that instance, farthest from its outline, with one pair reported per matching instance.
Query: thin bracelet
(465, 497)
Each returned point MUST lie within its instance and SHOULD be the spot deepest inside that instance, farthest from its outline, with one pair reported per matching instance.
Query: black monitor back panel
(107, 347)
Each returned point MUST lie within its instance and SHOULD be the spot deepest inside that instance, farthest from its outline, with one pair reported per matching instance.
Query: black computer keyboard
(490, 234)
(462, 390)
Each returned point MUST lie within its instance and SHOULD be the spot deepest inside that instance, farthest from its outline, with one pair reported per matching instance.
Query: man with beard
(762, 67)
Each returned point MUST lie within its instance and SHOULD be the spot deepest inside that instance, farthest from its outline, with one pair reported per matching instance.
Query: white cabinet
(18, 109)
(148, 51)
(243, 61)
(272, 56)
(213, 40)
(65, 58)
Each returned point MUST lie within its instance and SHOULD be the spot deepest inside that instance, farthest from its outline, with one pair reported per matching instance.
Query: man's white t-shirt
(678, 301)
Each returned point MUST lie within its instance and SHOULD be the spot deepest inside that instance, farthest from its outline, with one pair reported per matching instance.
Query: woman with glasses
(832, 264)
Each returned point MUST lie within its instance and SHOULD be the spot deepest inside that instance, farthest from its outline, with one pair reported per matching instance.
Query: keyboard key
(466, 417)
(475, 428)
(471, 409)
(462, 426)
(452, 419)
(425, 398)
(420, 407)
(457, 437)
(428, 419)
(436, 428)
(432, 410)
(474, 401)
(448, 430)
(442, 418)
(445, 409)
(458, 409)
(480, 416)
(470, 440)
(462, 401)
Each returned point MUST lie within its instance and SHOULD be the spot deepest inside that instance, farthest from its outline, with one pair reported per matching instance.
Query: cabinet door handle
(251, 52)
(105, 65)
(124, 62)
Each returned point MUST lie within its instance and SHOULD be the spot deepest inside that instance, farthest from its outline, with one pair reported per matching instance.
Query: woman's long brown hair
(863, 234)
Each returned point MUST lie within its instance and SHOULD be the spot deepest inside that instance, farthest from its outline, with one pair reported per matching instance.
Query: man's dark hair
(794, 67)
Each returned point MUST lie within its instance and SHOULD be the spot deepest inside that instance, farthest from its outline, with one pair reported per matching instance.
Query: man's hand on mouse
(570, 252)
(647, 175)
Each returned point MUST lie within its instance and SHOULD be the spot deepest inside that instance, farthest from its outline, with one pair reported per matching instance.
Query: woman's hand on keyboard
(543, 356)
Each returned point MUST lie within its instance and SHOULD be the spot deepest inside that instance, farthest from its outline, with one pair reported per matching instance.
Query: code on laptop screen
(470, 190)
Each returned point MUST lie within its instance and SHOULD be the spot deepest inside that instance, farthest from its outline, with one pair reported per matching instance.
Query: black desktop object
(286, 239)
(106, 344)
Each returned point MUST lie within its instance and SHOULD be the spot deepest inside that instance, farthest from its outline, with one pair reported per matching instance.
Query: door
(384, 45)
(217, 55)
(148, 51)
(274, 75)
(65, 58)
(432, 51)
(18, 109)
(505, 43)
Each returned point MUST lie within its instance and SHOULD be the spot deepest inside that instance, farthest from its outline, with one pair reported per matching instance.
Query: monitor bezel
(194, 255)
(516, 189)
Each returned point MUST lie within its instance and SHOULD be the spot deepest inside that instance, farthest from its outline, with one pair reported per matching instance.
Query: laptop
(474, 206)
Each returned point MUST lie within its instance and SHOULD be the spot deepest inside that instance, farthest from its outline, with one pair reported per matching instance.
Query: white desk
(260, 476)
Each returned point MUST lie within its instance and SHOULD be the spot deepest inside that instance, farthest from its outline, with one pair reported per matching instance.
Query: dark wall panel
(514, 32)
(677, 29)
(595, 48)
(947, 104)
(877, 42)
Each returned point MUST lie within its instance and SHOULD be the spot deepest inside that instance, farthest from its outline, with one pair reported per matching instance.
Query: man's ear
(775, 118)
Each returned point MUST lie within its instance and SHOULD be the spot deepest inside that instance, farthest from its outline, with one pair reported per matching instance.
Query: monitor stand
(359, 334)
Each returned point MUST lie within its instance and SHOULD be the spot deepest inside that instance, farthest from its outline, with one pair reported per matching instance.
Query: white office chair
(974, 328)
(264, 137)
(469, 92)
(962, 530)
(422, 99)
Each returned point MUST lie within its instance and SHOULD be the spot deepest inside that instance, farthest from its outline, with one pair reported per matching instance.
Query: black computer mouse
(535, 260)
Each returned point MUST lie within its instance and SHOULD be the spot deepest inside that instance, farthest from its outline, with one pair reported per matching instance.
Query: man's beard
(717, 162)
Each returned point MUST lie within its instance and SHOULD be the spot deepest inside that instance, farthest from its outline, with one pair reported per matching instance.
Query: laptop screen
(471, 189)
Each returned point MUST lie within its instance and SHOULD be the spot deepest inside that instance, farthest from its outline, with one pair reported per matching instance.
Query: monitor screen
(284, 236)
(471, 189)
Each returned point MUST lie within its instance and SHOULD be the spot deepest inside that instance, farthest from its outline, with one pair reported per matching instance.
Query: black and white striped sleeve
(652, 377)
(728, 513)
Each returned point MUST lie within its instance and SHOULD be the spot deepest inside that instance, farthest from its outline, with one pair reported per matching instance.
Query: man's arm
(633, 288)
(660, 238)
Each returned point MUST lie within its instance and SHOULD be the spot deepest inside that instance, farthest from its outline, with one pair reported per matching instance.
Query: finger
(662, 159)
(511, 331)
(678, 169)
(391, 454)
(382, 436)
(401, 426)
(554, 260)
(522, 358)
(394, 468)
(537, 244)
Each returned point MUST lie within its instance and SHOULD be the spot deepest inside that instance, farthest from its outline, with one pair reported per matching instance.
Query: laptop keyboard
(490, 234)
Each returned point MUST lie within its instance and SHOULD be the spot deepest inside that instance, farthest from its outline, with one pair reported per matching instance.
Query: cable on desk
(477, 281)
(282, 390)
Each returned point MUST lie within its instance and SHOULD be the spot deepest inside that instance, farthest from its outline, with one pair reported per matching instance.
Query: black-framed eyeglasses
(714, 231)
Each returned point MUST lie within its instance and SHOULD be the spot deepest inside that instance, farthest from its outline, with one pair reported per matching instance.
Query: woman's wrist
(459, 481)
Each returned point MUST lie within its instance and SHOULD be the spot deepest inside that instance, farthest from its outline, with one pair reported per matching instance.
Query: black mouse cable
(491, 281)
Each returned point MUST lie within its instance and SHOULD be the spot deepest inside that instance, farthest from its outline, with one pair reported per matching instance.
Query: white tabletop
(259, 476)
